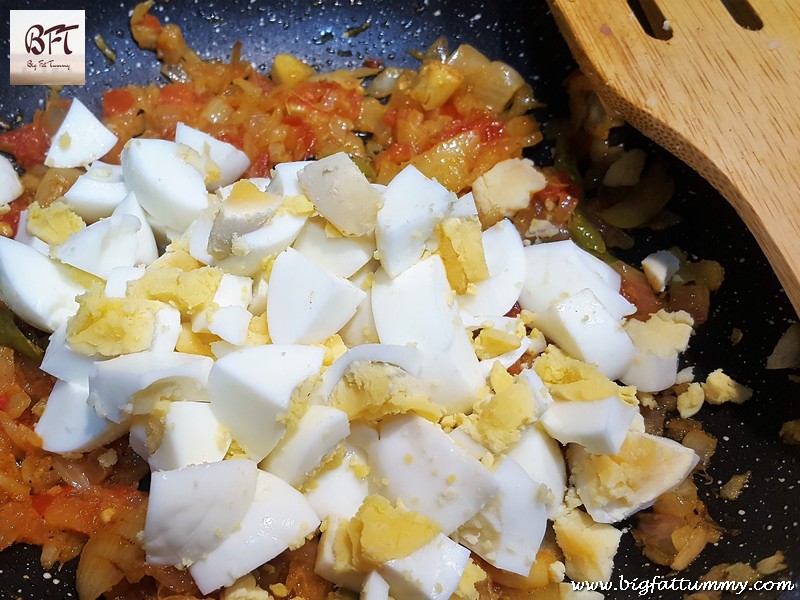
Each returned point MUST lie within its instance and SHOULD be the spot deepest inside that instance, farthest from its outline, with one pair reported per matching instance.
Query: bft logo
(37, 35)
(48, 47)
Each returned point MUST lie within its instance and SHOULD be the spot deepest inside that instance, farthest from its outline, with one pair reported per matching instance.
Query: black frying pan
(523, 34)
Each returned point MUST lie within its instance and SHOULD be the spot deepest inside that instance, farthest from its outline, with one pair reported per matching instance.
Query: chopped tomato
(325, 97)
(260, 166)
(300, 139)
(117, 102)
(636, 290)
(28, 144)
(487, 128)
(177, 93)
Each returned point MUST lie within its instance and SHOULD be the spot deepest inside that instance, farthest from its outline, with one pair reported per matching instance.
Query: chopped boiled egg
(146, 247)
(341, 193)
(284, 180)
(412, 206)
(659, 267)
(191, 435)
(39, 290)
(317, 434)
(599, 426)
(122, 386)
(25, 237)
(169, 188)
(505, 259)
(461, 248)
(613, 486)
(103, 245)
(63, 362)
(506, 188)
(250, 388)
(339, 254)
(588, 547)
(307, 304)
(415, 462)
(118, 279)
(581, 325)
(542, 458)
(278, 518)
(338, 489)
(191, 510)
(97, 192)
(80, 140)
(418, 307)
(509, 528)
(375, 588)
(556, 270)
(68, 424)
(430, 573)
(228, 161)
(10, 184)
(360, 329)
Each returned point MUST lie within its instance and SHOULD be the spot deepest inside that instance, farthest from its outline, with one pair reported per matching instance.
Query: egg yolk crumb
(188, 291)
(588, 547)
(380, 532)
(720, 388)
(54, 223)
(570, 379)
(112, 326)
(371, 390)
(461, 249)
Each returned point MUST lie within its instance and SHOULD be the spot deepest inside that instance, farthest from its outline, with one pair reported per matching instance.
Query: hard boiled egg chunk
(102, 246)
(39, 290)
(97, 192)
(229, 161)
(80, 140)
(10, 184)
(192, 510)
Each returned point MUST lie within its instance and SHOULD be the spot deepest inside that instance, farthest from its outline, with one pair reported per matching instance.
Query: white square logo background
(47, 47)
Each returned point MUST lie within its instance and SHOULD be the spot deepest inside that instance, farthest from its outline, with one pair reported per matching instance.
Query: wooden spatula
(722, 98)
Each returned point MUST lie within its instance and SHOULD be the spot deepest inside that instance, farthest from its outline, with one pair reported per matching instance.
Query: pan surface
(765, 518)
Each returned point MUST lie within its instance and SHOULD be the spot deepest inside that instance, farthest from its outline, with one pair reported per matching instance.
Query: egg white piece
(198, 234)
(68, 424)
(582, 327)
(284, 178)
(646, 467)
(650, 372)
(375, 588)
(341, 193)
(250, 388)
(360, 329)
(659, 268)
(64, 363)
(416, 307)
(251, 249)
(424, 468)
(541, 395)
(408, 358)
(168, 187)
(339, 491)
(306, 304)
(228, 322)
(192, 436)
(39, 290)
(429, 573)
(166, 330)
(97, 192)
(279, 517)
(541, 457)
(340, 255)
(597, 425)
(318, 432)
(505, 259)
(230, 161)
(463, 206)
(258, 297)
(191, 510)
(10, 184)
(326, 564)
(146, 246)
(102, 246)
(509, 529)
(24, 237)
(555, 270)
(80, 140)
(118, 280)
(113, 383)
(412, 206)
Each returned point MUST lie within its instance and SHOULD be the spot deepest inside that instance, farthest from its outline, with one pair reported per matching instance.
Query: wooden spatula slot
(721, 94)
(652, 20)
